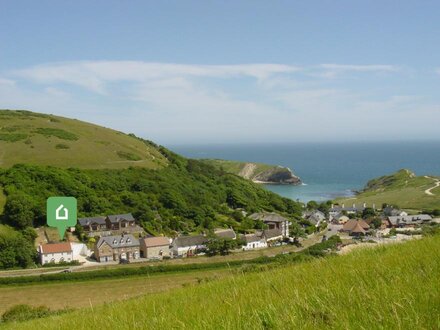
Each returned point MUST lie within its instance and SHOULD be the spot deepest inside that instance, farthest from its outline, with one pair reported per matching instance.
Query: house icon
(62, 213)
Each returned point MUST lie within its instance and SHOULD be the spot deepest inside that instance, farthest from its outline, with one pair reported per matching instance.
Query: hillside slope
(403, 189)
(257, 172)
(40, 139)
(388, 287)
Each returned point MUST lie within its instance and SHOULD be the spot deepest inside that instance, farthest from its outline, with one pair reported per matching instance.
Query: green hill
(403, 189)
(35, 138)
(387, 287)
(256, 172)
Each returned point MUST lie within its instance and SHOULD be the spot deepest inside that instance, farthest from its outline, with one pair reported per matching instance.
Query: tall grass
(389, 287)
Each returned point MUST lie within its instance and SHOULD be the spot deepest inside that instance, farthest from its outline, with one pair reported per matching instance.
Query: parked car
(66, 271)
(124, 261)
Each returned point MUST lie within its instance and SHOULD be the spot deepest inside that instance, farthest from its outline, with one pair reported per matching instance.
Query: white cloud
(333, 70)
(6, 82)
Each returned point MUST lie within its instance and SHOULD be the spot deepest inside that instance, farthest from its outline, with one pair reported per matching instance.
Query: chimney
(354, 205)
(365, 205)
(343, 205)
(374, 206)
(333, 206)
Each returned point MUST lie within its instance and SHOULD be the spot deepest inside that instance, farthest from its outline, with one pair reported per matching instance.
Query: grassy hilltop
(388, 287)
(403, 189)
(40, 139)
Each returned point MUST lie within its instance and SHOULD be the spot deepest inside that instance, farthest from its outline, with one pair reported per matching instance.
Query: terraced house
(115, 248)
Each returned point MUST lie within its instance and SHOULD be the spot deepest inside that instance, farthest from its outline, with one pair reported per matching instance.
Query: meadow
(388, 287)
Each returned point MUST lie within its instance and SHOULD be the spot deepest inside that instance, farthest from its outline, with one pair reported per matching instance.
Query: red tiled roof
(56, 247)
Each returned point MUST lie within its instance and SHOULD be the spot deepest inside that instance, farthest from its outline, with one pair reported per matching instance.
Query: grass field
(388, 287)
(92, 293)
(33, 138)
(401, 189)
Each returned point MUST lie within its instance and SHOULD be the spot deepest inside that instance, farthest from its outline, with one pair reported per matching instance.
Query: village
(120, 239)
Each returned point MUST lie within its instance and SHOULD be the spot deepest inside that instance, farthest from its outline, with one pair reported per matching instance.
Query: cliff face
(257, 172)
(277, 175)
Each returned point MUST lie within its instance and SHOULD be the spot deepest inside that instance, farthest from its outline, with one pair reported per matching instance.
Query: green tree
(18, 211)
(368, 212)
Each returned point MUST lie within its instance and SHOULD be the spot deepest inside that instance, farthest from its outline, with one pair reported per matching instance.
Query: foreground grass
(389, 287)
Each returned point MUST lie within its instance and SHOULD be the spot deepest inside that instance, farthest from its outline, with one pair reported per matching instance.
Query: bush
(25, 312)
(12, 137)
(62, 146)
(128, 156)
(59, 133)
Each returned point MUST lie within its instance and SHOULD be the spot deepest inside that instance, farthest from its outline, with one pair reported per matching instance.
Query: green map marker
(61, 213)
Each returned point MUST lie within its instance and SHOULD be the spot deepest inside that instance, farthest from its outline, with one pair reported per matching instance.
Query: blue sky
(228, 71)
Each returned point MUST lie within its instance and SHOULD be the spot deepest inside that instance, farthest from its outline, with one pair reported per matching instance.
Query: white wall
(57, 257)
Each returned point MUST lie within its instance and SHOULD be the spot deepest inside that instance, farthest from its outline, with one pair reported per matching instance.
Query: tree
(312, 205)
(297, 232)
(222, 246)
(368, 212)
(19, 211)
(376, 222)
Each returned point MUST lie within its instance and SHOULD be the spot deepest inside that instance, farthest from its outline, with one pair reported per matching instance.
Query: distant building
(254, 241)
(339, 218)
(187, 246)
(155, 247)
(314, 217)
(55, 253)
(225, 233)
(390, 211)
(355, 227)
(110, 225)
(353, 209)
(115, 248)
(272, 235)
(273, 221)
(409, 220)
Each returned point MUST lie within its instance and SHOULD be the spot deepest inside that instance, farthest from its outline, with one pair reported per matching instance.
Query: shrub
(128, 156)
(24, 312)
(59, 133)
(62, 146)
(12, 137)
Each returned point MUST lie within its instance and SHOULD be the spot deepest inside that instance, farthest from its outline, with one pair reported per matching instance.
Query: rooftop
(56, 247)
(156, 241)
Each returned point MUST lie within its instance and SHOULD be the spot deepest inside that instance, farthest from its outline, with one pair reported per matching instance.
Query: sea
(328, 170)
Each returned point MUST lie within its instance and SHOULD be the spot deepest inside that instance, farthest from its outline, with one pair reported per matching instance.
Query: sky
(185, 72)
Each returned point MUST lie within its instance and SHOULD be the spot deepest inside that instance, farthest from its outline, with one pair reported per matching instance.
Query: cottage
(93, 224)
(355, 227)
(55, 253)
(409, 220)
(392, 212)
(339, 218)
(254, 241)
(115, 248)
(272, 235)
(225, 233)
(273, 221)
(186, 246)
(120, 221)
(155, 247)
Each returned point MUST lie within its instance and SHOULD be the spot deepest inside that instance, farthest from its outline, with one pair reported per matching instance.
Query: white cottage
(55, 253)
(254, 241)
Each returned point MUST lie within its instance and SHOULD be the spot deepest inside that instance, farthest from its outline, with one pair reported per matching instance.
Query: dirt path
(437, 184)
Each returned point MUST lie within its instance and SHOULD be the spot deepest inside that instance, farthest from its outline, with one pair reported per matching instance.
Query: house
(120, 221)
(254, 241)
(93, 226)
(155, 247)
(336, 209)
(390, 211)
(187, 246)
(355, 227)
(55, 253)
(409, 220)
(272, 235)
(115, 248)
(273, 221)
(225, 233)
(314, 217)
(339, 218)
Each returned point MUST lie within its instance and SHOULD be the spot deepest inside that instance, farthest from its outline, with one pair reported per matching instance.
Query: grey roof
(318, 215)
(119, 241)
(268, 217)
(272, 233)
(183, 241)
(225, 233)
(88, 221)
(409, 219)
(118, 217)
(249, 238)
